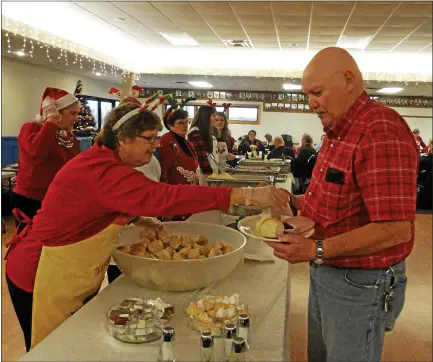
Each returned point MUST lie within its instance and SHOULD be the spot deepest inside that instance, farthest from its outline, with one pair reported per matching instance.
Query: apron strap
(22, 218)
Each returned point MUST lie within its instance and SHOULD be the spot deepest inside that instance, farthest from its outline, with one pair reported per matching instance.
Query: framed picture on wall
(160, 92)
(275, 96)
(287, 106)
(216, 94)
(229, 95)
(248, 95)
(295, 106)
(301, 97)
(274, 106)
(191, 94)
(268, 96)
(268, 106)
(209, 94)
(241, 95)
(288, 97)
(281, 96)
(301, 106)
(307, 107)
(178, 93)
(280, 105)
(294, 97)
(261, 96)
(223, 95)
(255, 96)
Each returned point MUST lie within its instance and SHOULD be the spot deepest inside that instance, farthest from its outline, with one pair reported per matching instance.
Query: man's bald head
(333, 82)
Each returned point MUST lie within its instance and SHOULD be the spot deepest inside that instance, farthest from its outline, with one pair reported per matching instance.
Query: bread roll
(270, 227)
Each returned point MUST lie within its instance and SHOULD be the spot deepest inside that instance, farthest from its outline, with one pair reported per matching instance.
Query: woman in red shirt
(419, 140)
(44, 147)
(58, 263)
(178, 159)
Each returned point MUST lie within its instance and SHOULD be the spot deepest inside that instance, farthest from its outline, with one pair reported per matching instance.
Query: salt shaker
(244, 327)
(206, 347)
(239, 349)
(167, 351)
(229, 336)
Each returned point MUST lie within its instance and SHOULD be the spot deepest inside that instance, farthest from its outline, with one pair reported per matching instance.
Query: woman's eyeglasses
(151, 139)
(181, 123)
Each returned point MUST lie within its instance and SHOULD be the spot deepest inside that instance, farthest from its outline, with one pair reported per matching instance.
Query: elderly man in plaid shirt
(362, 198)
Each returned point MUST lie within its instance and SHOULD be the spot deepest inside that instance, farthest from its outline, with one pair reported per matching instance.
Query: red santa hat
(136, 90)
(115, 91)
(62, 99)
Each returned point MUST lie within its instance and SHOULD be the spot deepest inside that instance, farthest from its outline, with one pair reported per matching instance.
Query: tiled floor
(411, 339)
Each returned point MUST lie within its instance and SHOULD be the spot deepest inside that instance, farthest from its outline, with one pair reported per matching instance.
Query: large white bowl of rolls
(183, 256)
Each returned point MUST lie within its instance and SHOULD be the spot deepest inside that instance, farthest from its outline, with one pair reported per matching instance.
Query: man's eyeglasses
(151, 139)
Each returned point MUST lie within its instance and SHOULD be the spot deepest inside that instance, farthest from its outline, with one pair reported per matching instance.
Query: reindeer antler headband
(175, 105)
(134, 112)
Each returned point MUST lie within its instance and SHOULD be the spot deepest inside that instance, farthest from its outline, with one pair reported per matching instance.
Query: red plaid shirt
(376, 154)
(199, 146)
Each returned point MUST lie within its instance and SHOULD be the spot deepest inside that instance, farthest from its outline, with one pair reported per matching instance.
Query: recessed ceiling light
(201, 84)
(287, 86)
(180, 39)
(390, 90)
(20, 53)
(119, 19)
(353, 42)
(98, 74)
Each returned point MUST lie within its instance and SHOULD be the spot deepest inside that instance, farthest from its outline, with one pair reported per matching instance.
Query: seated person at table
(280, 150)
(269, 142)
(251, 143)
(419, 140)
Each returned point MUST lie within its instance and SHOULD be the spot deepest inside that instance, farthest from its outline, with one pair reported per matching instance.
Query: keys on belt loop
(389, 293)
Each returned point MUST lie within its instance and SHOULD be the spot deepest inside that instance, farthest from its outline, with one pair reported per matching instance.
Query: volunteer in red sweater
(44, 147)
(58, 263)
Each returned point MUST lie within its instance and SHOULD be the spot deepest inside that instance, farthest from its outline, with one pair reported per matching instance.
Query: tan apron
(67, 277)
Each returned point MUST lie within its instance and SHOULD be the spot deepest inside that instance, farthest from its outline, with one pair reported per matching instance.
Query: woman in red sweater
(178, 159)
(44, 147)
(58, 263)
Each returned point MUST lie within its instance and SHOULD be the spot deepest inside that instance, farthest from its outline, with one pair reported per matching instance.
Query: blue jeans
(346, 317)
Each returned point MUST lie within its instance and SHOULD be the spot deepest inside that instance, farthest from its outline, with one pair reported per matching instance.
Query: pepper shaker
(244, 327)
(229, 336)
(167, 351)
(206, 347)
(239, 349)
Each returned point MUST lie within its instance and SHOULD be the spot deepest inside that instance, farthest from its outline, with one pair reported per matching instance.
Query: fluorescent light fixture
(180, 39)
(353, 42)
(98, 74)
(201, 84)
(292, 86)
(390, 90)
(119, 19)
(20, 53)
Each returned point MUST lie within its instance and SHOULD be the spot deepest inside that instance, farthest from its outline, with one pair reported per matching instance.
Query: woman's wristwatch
(319, 254)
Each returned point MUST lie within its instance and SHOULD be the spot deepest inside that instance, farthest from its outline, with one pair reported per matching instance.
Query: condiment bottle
(167, 350)
(206, 347)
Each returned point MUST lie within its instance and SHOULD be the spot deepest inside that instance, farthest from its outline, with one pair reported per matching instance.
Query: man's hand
(148, 222)
(230, 157)
(294, 248)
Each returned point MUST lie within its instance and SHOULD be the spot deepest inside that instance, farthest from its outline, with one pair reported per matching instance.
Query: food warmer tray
(254, 170)
(284, 165)
(240, 180)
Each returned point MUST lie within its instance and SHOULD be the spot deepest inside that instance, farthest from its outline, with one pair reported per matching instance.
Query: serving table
(263, 286)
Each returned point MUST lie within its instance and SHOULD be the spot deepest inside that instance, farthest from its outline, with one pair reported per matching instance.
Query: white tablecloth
(264, 286)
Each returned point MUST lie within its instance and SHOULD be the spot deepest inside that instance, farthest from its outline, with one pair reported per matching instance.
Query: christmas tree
(86, 125)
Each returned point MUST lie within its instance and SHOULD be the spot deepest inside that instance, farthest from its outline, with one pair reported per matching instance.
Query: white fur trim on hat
(66, 101)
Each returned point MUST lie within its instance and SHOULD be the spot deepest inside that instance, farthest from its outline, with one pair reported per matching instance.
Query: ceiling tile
(321, 45)
(380, 46)
(291, 8)
(287, 30)
(293, 38)
(409, 47)
(415, 10)
(428, 49)
(387, 39)
(393, 31)
(358, 31)
(361, 21)
(293, 45)
(212, 8)
(326, 30)
(413, 39)
(373, 9)
(398, 21)
(329, 20)
(284, 20)
(332, 8)
(262, 37)
(243, 8)
(324, 38)
(254, 29)
(255, 19)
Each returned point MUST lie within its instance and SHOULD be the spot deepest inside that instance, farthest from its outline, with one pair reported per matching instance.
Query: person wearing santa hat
(58, 263)
(45, 145)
